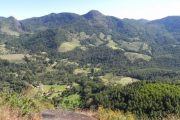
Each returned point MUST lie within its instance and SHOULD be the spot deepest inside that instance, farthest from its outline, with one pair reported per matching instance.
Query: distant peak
(11, 17)
(93, 14)
(52, 14)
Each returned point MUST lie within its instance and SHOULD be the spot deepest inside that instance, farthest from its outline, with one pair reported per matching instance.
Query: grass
(8, 113)
(110, 78)
(70, 102)
(100, 39)
(124, 80)
(112, 45)
(135, 46)
(13, 57)
(81, 71)
(46, 90)
(85, 71)
(19, 107)
(69, 46)
(55, 88)
(108, 114)
(135, 56)
(67, 62)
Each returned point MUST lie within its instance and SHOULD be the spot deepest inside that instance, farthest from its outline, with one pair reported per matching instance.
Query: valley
(113, 68)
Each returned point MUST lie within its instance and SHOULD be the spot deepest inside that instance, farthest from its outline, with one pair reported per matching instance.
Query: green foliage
(27, 106)
(153, 99)
(70, 102)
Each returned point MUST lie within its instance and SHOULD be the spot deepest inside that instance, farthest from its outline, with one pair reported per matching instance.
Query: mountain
(93, 14)
(10, 26)
(94, 21)
(50, 21)
(171, 24)
(65, 33)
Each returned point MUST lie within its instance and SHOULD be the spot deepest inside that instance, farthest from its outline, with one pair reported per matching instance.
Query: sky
(136, 9)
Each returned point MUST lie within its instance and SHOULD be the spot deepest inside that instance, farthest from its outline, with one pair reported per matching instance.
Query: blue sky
(148, 9)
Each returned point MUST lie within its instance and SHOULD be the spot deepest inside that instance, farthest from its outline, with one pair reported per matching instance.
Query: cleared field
(69, 46)
(113, 79)
(12, 57)
(55, 88)
(85, 71)
(112, 45)
(135, 56)
(47, 90)
(81, 71)
(67, 62)
(135, 46)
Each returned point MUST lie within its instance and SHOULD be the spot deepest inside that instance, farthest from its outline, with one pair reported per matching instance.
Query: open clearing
(46, 90)
(135, 46)
(12, 57)
(55, 88)
(135, 56)
(81, 71)
(110, 78)
(69, 46)
(111, 44)
(85, 71)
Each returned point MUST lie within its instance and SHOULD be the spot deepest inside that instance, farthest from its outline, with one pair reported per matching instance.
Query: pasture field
(110, 78)
(13, 57)
(55, 88)
(135, 56)
(112, 45)
(69, 46)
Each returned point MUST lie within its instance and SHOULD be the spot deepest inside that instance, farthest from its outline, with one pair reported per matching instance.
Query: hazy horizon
(139, 9)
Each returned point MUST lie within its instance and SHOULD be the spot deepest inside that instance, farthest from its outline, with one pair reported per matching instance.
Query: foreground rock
(64, 115)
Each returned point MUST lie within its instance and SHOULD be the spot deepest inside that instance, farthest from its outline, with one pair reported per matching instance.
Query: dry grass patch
(110, 78)
(9, 113)
(112, 45)
(81, 71)
(69, 46)
(108, 114)
(135, 56)
(12, 57)
(135, 46)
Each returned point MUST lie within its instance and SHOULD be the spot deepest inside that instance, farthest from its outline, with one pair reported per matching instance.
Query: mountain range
(65, 33)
